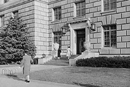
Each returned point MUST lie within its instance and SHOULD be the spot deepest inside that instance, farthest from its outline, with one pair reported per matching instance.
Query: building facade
(46, 19)
(112, 20)
(35, 14)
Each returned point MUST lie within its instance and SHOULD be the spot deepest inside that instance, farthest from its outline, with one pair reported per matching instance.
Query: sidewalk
(6, 81)
(17, 69)
(9, 82)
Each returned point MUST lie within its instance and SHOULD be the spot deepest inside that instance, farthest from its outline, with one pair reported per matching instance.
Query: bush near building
(15, 40)
(112, 62)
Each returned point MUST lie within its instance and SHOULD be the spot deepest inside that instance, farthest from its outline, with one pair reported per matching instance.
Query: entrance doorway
(57, 39)
(80, 40)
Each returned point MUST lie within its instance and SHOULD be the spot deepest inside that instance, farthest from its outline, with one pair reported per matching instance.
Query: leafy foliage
(113, 62)
(15, 40)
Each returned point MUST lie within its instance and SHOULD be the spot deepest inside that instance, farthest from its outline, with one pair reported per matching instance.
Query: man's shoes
(58, 57)
(27, 81)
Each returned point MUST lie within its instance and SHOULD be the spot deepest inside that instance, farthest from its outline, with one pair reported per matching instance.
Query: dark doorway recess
(80, 40)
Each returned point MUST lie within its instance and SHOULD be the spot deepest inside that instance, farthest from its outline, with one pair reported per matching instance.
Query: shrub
(113, 62)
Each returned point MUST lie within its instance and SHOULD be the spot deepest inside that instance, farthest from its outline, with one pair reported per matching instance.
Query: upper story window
(5, 1)
(1, 20)
(57, 13)
(80, 8)
(109, 4)
(110, 35)
(15, 13)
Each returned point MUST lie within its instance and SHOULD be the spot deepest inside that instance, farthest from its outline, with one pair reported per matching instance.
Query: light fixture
(65, 28)
(91, 25)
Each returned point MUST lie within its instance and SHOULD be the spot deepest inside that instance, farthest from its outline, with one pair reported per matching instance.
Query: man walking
(26, 64)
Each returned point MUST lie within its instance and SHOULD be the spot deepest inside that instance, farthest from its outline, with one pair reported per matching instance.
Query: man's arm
(22, 62)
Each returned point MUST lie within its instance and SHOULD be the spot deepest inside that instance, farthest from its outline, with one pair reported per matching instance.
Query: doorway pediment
(78, 24)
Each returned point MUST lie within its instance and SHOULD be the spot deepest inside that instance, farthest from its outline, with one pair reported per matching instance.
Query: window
(1, 20)
(109, 4)
(80, 8)
(57, 36)
(5, 1)
(57, 13)
(110, 35)
(15, 13)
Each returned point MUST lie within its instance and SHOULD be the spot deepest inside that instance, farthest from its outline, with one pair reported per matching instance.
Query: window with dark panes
(1, 20)
(110, 35)
(15, 13)
(57, 36)
(80, 8)
(57, 13)
(5, 1)
(109, 4)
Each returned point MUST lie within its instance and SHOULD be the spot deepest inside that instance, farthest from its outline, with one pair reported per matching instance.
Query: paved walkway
(17, 69)
(19, 82)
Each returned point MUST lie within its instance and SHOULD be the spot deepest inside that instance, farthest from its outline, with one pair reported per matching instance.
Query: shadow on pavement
(15, 77)
(85, 85)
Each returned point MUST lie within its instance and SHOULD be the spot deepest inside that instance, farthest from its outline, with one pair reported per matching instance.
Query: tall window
(110, 35)
(57, 35)
(5, 1)
(80, 8)
(57, 13)
(109, 4)
(15, 13)
(1, 20)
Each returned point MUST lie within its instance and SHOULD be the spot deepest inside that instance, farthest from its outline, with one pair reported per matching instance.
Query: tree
(15, 40)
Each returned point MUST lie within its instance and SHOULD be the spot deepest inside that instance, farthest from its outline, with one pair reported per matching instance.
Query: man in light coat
(26, 64)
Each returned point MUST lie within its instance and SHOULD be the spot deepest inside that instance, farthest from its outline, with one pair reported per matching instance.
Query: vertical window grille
(110, 36)
(5, 1)
(2, 22)
(80, 8)
(57, 13)
(109, 4)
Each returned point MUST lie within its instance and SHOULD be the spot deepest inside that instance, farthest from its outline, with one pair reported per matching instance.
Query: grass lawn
(86, 76)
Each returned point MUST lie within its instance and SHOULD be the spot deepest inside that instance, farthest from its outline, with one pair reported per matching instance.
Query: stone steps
(58, 62)
(44, 60)
(84, 55)
(63, 61)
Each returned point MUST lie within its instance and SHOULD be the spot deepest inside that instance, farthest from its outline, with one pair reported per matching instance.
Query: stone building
(111, 17)
(46, 19)
(35, 14)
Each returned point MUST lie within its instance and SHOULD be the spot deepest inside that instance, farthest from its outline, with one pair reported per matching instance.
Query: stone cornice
(52, 2)
(10, 5)
(77, 21)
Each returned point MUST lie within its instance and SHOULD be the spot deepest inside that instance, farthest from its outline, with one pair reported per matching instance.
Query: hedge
(113, 62)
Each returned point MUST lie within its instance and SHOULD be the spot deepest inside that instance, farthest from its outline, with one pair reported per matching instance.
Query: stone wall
(119, 16)
(42, 33)
(35, 14)
(38, 16)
